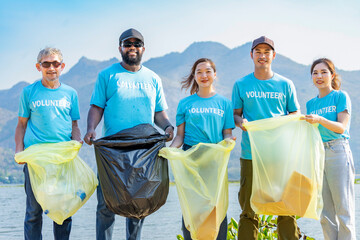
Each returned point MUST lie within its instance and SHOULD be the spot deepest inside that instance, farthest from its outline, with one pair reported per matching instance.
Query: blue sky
(302, 30)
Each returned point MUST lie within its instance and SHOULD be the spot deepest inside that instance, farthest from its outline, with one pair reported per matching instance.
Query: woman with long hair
(331, 108)
(203, 117)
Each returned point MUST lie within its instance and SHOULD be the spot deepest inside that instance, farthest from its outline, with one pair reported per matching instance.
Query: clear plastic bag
(61, 181)
(201, 181)
(288, 163)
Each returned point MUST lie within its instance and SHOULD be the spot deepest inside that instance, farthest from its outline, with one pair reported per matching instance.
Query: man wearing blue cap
(278, 97)
(127, 94)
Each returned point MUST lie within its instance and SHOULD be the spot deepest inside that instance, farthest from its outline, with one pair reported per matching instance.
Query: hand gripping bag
(202, 185)
(133, 178)
(288, 164)
(61, 181)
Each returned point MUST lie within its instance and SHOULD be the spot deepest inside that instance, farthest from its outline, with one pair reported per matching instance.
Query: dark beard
(131, 61)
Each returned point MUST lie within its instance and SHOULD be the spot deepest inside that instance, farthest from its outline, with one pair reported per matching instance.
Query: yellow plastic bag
(61, 181)
(288, 162)
(201, 181)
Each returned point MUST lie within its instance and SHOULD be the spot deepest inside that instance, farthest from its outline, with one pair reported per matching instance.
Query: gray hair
(48, 51)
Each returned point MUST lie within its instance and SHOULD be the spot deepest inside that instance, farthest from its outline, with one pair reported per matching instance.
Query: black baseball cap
(263, 39)
(131, 33)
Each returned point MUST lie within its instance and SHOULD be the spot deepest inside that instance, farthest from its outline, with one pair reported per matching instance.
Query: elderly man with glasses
(48, 113)
(127, 94)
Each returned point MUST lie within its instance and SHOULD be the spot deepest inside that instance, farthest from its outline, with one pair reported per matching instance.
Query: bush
(267, 229)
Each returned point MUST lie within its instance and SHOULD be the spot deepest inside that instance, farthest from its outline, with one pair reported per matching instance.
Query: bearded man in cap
(127, 94)
(278, 98)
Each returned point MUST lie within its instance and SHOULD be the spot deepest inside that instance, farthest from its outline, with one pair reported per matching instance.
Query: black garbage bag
(133, 178)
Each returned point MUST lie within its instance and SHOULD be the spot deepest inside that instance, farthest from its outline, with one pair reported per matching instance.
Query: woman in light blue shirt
(332, 110)
(204, 116)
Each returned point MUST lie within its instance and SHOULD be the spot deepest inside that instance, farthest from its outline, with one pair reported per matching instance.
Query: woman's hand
(312, 118)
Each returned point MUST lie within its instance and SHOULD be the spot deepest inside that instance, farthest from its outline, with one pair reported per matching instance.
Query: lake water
(165, 224)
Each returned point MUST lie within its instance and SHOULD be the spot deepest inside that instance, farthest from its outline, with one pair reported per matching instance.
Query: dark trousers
(33, 217)
(249, 221)
(105, 221)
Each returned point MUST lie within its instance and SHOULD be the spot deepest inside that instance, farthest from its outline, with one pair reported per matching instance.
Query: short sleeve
(292, 104)
(237, 102)
(160, 103)
(229, 116)
(180, 114)
(24, 107)
(344, 102)
(75, 112)
(98, 97)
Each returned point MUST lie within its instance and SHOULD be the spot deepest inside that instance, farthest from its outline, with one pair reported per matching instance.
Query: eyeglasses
(135, 44)
(55, 64)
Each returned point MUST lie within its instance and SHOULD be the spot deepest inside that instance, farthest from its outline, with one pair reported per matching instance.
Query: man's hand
(244, 120)
(79, 140)
(239, 120)
(19, 135)
(75, 132)
(94, 116)
(17, 151)
(170, 131)
(90, 136)
(161, 120)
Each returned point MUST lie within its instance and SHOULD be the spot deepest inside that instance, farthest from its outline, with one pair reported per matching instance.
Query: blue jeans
(222, 235)
(338, 215)
(33, 216)
(105, 220)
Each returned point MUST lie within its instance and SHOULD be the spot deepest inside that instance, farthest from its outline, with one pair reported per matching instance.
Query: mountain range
(231, 64)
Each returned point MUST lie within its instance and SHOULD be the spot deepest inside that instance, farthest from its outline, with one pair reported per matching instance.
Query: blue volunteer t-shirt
(204, 118)
(128, 98)
(261, 99)
(50, 113)
(329, 107)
